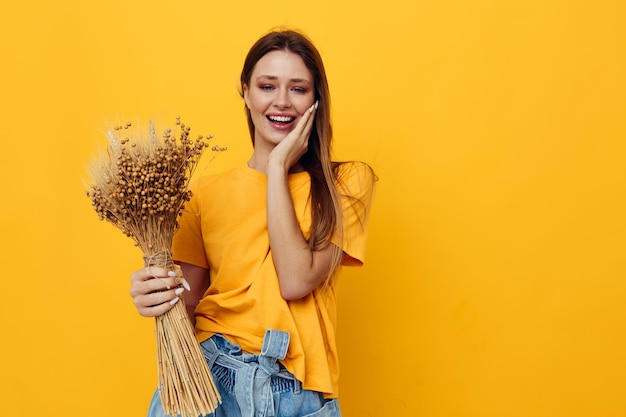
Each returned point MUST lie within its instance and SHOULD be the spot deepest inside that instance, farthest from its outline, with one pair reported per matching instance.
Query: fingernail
(316, 104)
(179, 291)
(312, 108)
(174, 301)
(186, 284)
(171, 274)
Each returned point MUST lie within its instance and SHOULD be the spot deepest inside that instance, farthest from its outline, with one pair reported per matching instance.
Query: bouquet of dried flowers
(140, 185)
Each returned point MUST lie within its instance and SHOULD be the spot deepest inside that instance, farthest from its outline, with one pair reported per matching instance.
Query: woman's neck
(258, 162)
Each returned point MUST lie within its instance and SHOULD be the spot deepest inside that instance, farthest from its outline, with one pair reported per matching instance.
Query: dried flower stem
(141, 186)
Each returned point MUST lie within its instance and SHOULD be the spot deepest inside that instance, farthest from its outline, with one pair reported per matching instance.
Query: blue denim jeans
(257, 385)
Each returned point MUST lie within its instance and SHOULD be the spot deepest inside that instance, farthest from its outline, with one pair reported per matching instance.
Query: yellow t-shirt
(224, 228)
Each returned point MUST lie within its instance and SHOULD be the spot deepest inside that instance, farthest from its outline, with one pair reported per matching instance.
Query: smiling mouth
(281, 119)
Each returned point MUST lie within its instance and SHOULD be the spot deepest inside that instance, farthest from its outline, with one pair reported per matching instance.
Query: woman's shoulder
(354, 178)
(350, 170)
(210, 180)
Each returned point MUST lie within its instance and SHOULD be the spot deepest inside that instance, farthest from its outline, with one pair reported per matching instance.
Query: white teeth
(283, 119)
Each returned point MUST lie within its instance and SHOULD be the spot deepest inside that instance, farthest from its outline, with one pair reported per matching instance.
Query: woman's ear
(245, 95)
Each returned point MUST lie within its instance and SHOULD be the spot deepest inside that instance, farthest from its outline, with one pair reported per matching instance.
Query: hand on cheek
(288, 152)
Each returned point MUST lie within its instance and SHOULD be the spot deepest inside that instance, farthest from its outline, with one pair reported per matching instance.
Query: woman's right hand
(155, 290)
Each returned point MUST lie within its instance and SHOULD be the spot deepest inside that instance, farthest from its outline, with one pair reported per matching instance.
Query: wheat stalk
(140, 185)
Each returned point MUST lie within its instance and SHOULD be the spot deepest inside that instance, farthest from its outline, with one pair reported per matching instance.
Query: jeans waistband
(251, 376)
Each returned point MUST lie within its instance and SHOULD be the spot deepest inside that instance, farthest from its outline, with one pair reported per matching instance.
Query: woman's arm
(198, 279)
(299, 269)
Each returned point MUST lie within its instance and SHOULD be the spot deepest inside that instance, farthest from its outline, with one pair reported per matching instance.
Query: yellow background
(494, 284)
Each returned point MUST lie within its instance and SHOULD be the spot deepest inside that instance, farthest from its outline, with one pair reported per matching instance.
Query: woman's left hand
(288, 152)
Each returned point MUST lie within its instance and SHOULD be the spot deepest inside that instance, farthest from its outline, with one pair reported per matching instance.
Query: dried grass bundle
(140, 185)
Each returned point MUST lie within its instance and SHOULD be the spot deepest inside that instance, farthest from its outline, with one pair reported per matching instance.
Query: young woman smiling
(260, 245)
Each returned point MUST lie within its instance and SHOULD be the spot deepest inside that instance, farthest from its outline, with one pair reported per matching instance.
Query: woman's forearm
(299, 269)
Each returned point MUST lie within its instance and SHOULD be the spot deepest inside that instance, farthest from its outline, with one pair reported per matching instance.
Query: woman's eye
(266, 87)
(299, 90)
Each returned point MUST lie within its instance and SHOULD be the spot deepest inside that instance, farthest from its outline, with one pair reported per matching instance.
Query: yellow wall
(494, 284)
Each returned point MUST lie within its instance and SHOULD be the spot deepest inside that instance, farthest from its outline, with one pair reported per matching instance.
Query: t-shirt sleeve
(188, 245)
(356, 188)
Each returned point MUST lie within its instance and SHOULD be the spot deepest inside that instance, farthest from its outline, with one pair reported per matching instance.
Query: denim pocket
(330, 409)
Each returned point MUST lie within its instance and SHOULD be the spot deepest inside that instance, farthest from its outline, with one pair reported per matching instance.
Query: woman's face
(280, 90)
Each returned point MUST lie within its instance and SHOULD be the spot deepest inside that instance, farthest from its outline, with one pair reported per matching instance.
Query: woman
(260, 245)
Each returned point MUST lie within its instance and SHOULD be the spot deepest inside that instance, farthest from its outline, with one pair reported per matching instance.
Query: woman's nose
(281, 100)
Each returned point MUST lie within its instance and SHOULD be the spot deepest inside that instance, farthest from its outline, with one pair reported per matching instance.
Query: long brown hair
(324, 197)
